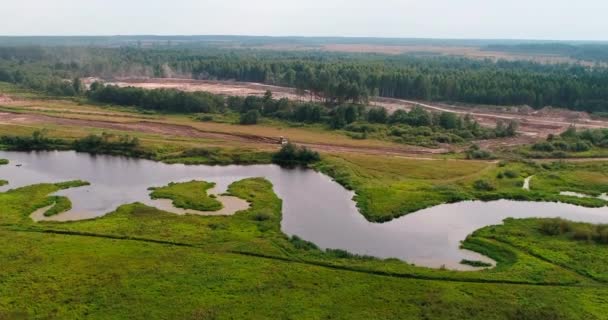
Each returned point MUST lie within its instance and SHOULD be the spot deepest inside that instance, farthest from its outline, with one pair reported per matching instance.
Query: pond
(315, 207)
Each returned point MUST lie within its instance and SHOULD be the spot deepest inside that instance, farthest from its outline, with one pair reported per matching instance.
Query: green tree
(250, 117)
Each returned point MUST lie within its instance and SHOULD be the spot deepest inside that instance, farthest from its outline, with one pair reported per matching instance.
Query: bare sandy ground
(532, 123)
(178, 130)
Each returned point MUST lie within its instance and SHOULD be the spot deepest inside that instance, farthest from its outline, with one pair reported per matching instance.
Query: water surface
(315, 208)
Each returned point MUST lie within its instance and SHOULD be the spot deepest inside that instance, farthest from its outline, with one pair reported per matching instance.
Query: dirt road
(532, 123)
(177, 130)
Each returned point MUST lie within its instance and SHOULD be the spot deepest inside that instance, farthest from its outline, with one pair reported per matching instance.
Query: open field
(534, 124)
(30, 112)
(472, 52)
(221, 267)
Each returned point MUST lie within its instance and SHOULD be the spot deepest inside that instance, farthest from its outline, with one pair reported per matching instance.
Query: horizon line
(298, 36)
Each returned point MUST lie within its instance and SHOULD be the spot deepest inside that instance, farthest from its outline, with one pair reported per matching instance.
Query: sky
(479, 19)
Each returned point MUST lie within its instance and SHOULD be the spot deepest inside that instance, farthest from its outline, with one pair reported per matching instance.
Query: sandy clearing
(534, 124)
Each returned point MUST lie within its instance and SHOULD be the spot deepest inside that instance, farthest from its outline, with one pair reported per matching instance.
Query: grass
(129, 279)
(389, 187)
(188, 195)
(156, 147)
(475, 263)
(73, 108)
(585, 256)
(62, 204)
(216, 156)
(243, 266)
(527, 152)
(257, 232)
(3, 162)
(19, 203)
(151, 264)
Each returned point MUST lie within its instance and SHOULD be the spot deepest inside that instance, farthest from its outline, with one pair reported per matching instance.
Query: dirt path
(190, 132)
(532, 123)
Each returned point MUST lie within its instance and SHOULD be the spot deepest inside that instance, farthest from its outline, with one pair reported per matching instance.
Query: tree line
(361, 120)
(333, 78)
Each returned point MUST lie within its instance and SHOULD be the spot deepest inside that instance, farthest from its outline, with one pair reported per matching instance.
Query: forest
(336, 78)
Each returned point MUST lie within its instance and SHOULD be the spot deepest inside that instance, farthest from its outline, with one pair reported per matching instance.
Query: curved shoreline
(315, 207)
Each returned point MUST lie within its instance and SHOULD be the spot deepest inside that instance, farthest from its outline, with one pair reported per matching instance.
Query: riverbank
(145, 251)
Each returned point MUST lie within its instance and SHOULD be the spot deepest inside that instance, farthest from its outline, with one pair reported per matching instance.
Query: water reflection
(314, 207)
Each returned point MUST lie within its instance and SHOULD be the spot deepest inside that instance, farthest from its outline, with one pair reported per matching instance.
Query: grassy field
(188, 195)
(572, 249)
(388, 187)
(29, 102)
(150, 264)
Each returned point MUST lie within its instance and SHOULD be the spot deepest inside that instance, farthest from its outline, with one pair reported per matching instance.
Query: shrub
(38, 141)
(261, 216)
(555, 227)
(543, 146)
(559, 154)
(602, 234)
(475, 263)
(580, 146)
(583, 232)
(205, 118)
(302, 244)
(483, 185)
(250, 117)
(339, 253)
(511, 174)
(291, 155)
(480, 154)
(108, 144)
(561, 145)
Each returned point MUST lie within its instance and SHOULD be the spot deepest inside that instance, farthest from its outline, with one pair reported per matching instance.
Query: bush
(302, 244)
(249, 118)
(559, 154)
(583, 232)
(602, 234)
(108, 144)
(339, 253)
(561, 145)
(37, 141)
(580, 146)
(261, 216)
(205, 118)
(483, 185)
(543, 146)
(475, 152)
(475, 263)
(511, 174)
(291, 155)
(555, 227)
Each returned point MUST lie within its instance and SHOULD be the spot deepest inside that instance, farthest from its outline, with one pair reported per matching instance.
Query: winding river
(315, 208)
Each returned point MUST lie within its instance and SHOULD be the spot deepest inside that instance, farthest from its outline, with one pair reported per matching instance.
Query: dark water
(314, 207)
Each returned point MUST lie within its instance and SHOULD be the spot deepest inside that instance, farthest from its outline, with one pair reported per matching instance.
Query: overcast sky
(505, 19)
